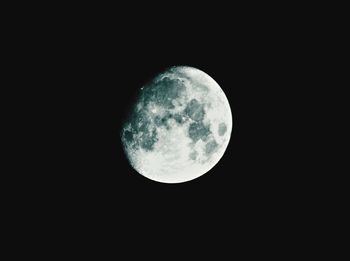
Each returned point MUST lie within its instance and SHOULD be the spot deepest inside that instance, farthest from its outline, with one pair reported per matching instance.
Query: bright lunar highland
(179, 126)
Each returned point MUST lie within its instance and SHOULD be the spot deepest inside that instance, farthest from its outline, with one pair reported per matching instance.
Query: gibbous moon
(179, 126)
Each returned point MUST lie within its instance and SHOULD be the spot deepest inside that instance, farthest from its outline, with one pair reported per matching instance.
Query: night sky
(101, 62)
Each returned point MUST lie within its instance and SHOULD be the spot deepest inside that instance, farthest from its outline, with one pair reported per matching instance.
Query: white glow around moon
(181, 135)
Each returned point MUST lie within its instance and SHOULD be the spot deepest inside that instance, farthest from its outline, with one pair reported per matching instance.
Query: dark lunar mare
(163, 92)
(198, 130)
(195, 110)
(222, 128)
(142, 126)
(210, 147)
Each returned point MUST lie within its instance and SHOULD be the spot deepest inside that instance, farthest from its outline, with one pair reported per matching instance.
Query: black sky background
(94, 63)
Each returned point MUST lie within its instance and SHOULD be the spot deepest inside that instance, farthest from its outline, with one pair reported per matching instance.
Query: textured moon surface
(179, 126)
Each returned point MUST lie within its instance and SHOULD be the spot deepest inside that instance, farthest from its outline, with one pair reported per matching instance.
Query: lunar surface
(179, 126)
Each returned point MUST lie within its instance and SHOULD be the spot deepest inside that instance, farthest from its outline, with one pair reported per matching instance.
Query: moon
(179, 126)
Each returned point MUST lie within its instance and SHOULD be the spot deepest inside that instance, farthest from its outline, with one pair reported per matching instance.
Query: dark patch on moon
(163, 92)
(193, 155)
(195, 110)
(210, 147)
(179, 118)
(158, 121)
(148, 139)
(162, 120)
(128, 136)
(140, 126)
(222, 128)
(197, 130)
